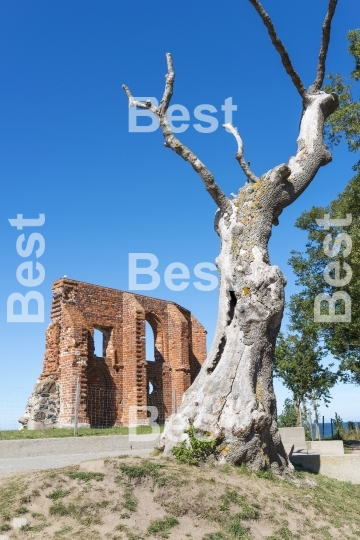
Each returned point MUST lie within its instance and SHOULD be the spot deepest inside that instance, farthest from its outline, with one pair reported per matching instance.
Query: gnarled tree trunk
(233, 399)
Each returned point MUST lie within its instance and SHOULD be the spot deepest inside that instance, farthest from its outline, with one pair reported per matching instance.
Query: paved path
(14, 465)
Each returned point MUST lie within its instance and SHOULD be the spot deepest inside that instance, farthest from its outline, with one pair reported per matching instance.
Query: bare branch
(326, 28)
(168, 92)
(280, 48)
(175, 144)
(240, 153)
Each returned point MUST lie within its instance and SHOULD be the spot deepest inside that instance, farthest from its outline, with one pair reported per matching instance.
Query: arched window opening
(98, 343)
(150, 388)
(150, 343)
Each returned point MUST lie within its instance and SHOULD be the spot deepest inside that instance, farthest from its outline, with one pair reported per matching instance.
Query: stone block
(19, 522)
(328, 448)
(345, 468)
(293, 435)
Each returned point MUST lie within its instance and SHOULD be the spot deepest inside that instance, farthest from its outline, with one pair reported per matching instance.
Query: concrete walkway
(41, 454)
(15, 465)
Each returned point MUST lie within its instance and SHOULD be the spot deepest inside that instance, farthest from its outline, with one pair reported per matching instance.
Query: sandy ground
(125, 498)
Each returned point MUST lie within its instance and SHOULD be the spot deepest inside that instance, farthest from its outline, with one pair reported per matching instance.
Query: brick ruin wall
(121, 381)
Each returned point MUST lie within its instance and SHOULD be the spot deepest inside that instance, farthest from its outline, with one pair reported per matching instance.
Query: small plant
(236, 529)
(5, 527)
(22, 510)
(283, 534)
(63, 530)
(58, 494)
(145, 469)
(161, 527)
(130, 502)
(267, 474)
(215, 536)
(60, 509)
(339, 426)
(198, 449)
(85, 476)
(247, 511)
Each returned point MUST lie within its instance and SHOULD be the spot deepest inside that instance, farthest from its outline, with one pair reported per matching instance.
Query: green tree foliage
(341, 340)
(346, 119)
(289, 415)
(298, 364)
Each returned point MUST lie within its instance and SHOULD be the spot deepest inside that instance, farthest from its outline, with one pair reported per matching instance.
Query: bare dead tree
(233, 397)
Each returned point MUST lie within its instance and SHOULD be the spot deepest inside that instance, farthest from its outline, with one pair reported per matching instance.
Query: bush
(200, 448)
(288, 417)
(339, 426)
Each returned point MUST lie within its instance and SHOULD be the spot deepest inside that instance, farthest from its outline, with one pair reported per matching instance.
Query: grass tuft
(161, 527)
(58, 494)
(86, 476)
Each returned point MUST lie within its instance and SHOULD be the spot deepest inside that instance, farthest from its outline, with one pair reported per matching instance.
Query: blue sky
(66, 150)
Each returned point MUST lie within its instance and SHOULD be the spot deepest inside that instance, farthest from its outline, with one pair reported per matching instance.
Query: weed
(267, 474)
(63, 530)
(130, 502)
(10, 493)
(5, 527)
(298, 473)
(147, 468)
(284, 534)
(60, 509)
(58, 494)
(214, 536)
(247, 511)
(85, 476)
(161, 527)
(198, 449)
(22, 510)
(236, 528)
(35, 515)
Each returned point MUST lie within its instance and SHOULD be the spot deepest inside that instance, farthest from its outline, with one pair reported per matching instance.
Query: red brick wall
(111, 385)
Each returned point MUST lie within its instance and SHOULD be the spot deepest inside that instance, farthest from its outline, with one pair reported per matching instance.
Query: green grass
(161, 527)
(58, 494)
(11, 495)
(130, 502)
(86, 476)
(69, 432)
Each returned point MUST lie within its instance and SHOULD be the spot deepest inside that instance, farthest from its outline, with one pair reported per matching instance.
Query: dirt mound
(134, 498)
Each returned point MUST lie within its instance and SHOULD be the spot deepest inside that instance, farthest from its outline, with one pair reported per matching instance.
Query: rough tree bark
(233, 399)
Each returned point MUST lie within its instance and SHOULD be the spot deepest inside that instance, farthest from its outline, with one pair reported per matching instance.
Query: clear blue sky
(66, 150)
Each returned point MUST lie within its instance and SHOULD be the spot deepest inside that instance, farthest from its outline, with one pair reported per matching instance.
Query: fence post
(323, 428)
(175, 401)
(311, 428)
(77, 402)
